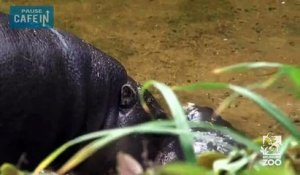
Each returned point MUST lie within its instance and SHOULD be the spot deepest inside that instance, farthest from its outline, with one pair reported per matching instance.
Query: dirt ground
(182, 41)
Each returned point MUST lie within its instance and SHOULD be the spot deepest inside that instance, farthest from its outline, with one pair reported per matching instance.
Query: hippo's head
(56, 86)
(145, 148)
(160, 148)
(130, 109)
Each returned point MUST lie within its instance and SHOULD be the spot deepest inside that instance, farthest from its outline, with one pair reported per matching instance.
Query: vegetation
(239, 161)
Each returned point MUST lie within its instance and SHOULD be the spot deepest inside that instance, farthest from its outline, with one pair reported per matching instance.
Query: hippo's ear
(128, 96)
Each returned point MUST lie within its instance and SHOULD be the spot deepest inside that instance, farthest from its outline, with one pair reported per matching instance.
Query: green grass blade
(186, 140)
(200, 85)
(49, 159)
(182, 169)
(270, 108)
(90, 149)
(262, 102)
(285, 145)
(285, 169)
(234, 134)
(246, 66)
(293, 73)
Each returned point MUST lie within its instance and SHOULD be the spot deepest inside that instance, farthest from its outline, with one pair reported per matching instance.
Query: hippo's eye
(128, 96)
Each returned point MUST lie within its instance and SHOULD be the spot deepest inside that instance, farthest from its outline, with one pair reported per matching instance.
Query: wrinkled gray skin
(54, 87)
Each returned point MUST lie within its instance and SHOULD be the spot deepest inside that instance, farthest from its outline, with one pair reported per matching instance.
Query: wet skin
(55, 87)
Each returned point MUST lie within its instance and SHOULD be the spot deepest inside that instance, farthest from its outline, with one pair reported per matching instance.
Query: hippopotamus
(55, 87)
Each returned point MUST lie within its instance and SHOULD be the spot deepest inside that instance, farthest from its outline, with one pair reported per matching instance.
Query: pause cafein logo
(31, 17)
(271, 150)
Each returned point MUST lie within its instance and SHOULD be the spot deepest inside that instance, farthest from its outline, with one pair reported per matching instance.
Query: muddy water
(182, 41)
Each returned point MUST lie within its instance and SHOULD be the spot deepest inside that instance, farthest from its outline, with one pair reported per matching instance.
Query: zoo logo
(271, 150)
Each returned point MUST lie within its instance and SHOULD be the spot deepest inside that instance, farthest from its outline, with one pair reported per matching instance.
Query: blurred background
(182, 41)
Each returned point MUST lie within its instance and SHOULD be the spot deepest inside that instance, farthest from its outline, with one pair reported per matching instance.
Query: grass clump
(240, 161)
